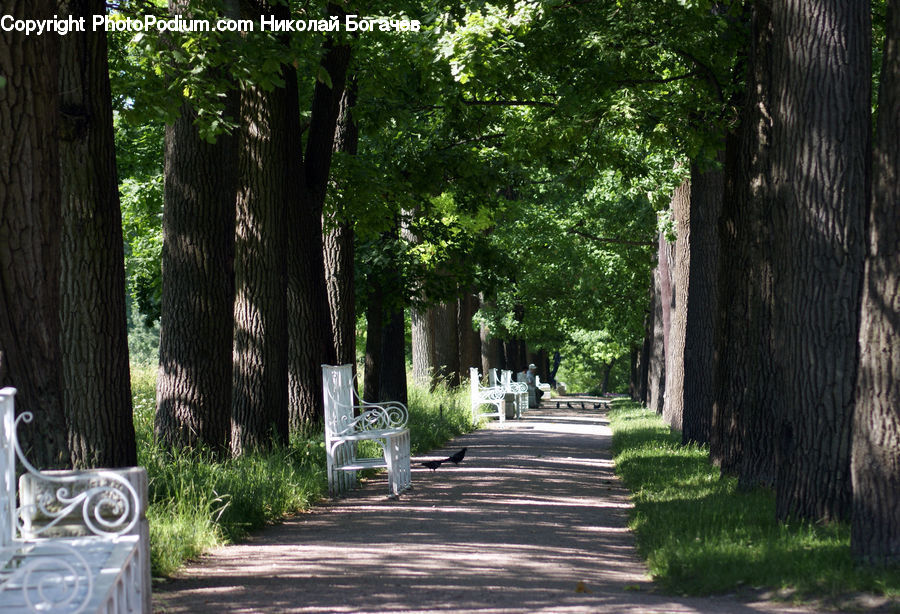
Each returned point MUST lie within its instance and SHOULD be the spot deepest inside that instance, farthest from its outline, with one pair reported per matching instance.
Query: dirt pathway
(533, 520)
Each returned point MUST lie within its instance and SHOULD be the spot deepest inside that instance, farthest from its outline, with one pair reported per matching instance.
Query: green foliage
(701, 535)
(196, 502)
(436, 416)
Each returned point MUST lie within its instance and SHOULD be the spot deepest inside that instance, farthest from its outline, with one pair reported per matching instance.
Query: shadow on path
(533, 520)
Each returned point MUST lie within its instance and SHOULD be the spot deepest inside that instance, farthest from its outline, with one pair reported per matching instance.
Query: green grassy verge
(196, 503)
(700, 535)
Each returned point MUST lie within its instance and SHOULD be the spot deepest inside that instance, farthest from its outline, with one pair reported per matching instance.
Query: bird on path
(598, 405)
(557, 405)
(582, 405)
(432, 464)
(569, 405)
(457, 457)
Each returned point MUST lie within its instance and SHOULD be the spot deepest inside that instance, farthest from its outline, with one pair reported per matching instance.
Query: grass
(196, 503)
(700, 535)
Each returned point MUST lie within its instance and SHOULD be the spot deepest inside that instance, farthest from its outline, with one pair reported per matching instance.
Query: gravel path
(533, 520)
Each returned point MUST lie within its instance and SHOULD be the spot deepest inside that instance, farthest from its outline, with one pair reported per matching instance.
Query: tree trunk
(94, 337)
(643, 375)
(743, 431)
(309, 317)
(607, 369)
(662, 308)
(423, 346)
(374, 342)
(30, 220)
(194, 383)
(820, 182)
(673, 407)
(338, 250)
(491, 347)
(707, 190)
(446, 343)
(393, 352)
(875, 530)
(260, 395)
(469, 337)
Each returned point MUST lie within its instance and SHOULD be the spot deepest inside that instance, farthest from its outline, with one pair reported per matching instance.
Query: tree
(338, 247)
(194, 382)
(875, 530)
(30, 223)
(309, 321)
(820, 181)
(267, 165)
(742, 439)
(96, 382)
(689, 372)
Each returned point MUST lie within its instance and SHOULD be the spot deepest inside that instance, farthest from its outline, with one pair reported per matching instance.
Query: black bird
(432, 464)
(569, 404)
(457, 458)
(582, 405)
(598, 405)
(557, 405)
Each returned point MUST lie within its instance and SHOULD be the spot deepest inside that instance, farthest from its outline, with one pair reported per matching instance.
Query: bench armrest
(373, 417)
(491, 394)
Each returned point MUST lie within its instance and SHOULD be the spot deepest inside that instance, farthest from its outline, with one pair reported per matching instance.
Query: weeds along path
(533, 520)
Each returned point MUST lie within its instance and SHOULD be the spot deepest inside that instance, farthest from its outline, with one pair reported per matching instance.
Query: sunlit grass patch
(701, 535)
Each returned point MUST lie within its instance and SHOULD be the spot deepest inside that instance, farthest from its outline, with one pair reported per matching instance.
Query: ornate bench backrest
(474, 382)
(337, 388)
(7, 466)
(96, 502)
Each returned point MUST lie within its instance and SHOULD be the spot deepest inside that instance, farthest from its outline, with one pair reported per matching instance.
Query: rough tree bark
(707, 191)
(309, 318)
(94, 335)
(338, 247)
(491, 346)
(194, 383)
(673, 407)
(30, 219)
(393, 351)
(268, 128)
(423, 345)
(820, 183)
(662, 308)
(875, 529)
(469, 337)
(743, 433)
(374, 360)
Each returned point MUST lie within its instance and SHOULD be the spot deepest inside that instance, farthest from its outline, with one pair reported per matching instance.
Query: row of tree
(772, 332)
(496, 175)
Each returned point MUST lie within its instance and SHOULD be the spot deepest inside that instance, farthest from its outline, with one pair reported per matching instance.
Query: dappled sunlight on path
(533, 520)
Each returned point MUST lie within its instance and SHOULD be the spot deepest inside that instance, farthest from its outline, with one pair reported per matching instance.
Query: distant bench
(78, 541)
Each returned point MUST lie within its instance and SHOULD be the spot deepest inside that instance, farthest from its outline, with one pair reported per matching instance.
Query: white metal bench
(77, 541)
(347, 423)
(519, 389)
(494, 396)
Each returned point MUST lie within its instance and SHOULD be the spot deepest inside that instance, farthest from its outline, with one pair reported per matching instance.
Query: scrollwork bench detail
(349, 421)
(76, 541)
(493, 396)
